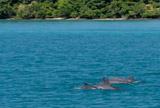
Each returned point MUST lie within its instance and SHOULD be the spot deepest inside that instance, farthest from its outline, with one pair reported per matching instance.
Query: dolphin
(119, 80)
(86, 86)
(105, 85)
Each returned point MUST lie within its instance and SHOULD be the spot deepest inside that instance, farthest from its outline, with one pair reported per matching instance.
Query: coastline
(96, 19)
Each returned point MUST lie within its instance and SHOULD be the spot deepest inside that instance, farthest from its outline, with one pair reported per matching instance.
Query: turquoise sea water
(42, 61)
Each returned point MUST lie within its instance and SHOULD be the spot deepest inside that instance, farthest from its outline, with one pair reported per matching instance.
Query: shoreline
(96, 19)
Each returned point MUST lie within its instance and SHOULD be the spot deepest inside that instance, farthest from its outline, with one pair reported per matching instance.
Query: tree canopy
(40, 9)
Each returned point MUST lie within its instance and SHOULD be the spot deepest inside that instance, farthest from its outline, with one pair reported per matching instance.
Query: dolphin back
(87, 86)
(105, 85)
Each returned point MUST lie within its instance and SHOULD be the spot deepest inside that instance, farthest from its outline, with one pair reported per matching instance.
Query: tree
(6, 10)
(64, 8)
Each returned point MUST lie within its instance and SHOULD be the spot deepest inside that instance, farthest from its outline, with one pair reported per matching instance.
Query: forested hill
(41, 9)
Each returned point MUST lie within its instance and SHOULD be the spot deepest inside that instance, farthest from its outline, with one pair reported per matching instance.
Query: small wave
(138, 82)
(154, 73)
(157, 99)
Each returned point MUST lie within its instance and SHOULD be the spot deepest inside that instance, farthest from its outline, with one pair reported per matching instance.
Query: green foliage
(64, 8)
(36, 10)
(6, 10)
(39, 9)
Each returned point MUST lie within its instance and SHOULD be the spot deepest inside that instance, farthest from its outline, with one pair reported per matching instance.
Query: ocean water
(41, 62)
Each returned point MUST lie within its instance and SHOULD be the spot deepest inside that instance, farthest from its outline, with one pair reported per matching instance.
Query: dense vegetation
(40, 9)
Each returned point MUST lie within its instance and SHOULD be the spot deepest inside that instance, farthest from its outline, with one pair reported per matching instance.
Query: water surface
(42, 61)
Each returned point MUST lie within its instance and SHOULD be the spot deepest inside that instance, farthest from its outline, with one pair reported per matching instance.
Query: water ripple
(42, 61)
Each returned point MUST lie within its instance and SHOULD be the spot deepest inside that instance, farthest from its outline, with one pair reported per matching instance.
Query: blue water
(42, 61)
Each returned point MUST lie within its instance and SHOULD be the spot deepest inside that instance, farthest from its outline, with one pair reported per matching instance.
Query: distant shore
(107, 19)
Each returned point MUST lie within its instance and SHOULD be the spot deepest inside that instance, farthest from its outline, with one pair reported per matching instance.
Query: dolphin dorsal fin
(131, 78)
(85, 84)
(106, 81)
